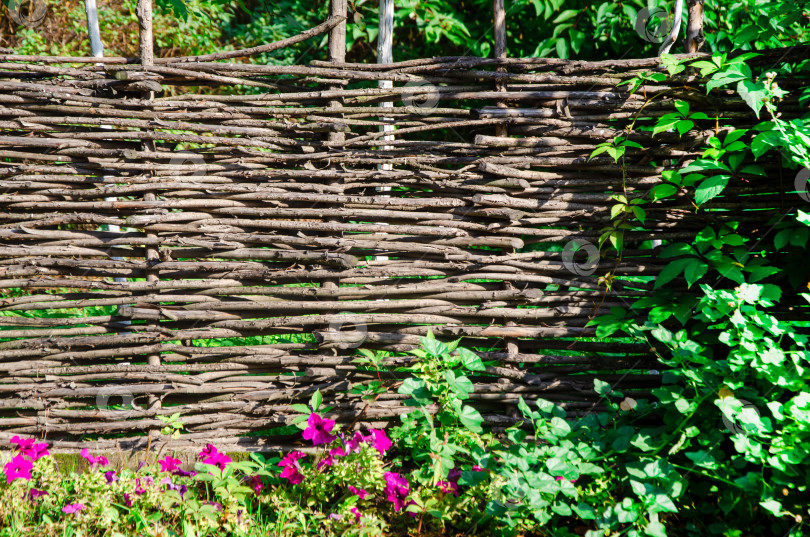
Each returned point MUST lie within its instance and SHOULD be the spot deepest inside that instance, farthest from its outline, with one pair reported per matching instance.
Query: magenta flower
(18, 468)
(111, 477)
(319, 430)
(478, 469)
(127, 500)
(33, 494)
(94, 461)
(356, 514)
(210, 455)
(255, 482)
(38, 451)
(29, 448)
(451, 485)
(353, 445)
(208, 452)
(169, 464)
(138, 488)
(360, 493)
(396, 489)
(22, 443)
(329, 460)
(380, 440)
(73, 508)
(291, 467)
(560, 478)
(182, 489)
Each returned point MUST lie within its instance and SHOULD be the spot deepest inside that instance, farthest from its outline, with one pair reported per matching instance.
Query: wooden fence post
(144, 12)
(499, 16)
(385, 54)
(337, 54)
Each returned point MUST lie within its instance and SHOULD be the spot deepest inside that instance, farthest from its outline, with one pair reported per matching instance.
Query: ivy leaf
(470, 360)
(755, 94)
(710, 188)
(471, 418)
(672, 271)
(663, 191)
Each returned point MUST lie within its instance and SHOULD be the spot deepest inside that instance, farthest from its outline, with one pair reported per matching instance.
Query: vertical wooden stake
(694, 27)
(144, 12)
(337, 54)
(385, 54)
(499, 14)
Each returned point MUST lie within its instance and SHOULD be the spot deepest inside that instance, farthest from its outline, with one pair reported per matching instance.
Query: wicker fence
(223, 254)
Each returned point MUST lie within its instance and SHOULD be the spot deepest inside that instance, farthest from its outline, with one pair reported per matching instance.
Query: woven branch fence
(218, 239)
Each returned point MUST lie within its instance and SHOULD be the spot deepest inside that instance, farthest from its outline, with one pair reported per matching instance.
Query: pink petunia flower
(319, 430)
(22, 443)
(380, 440)
(18, 468)
(356, 514)
(33, 494)
(291, 467)
(255, 482)
(329, 460)
(73, 508)
(353, 445)
(220, 460)
(360, 493)
(396, 489)
(38, 451)
(169, 464)
(94, 461)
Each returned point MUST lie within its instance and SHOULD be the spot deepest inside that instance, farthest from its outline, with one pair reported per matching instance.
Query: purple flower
(319, 430)
(127, 500)
(18, 468)
(380, 440)
(182, 489)
(183, 473)
(169, 464)
(396, 489)
(94, 461)
(138, 488)
(72, 508)
(335, 516)
(356, 514)
(33, 494)
(111, 477)
(216, 505)
(360, 493)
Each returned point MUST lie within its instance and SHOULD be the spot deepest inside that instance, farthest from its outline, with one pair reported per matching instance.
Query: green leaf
(694, 271)
(470, 360)
(671, 271)
(316, 400)
(710, 188)
(601, 387)
(303, 409)
(663, 191)
(471, 419)
(755, 94)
